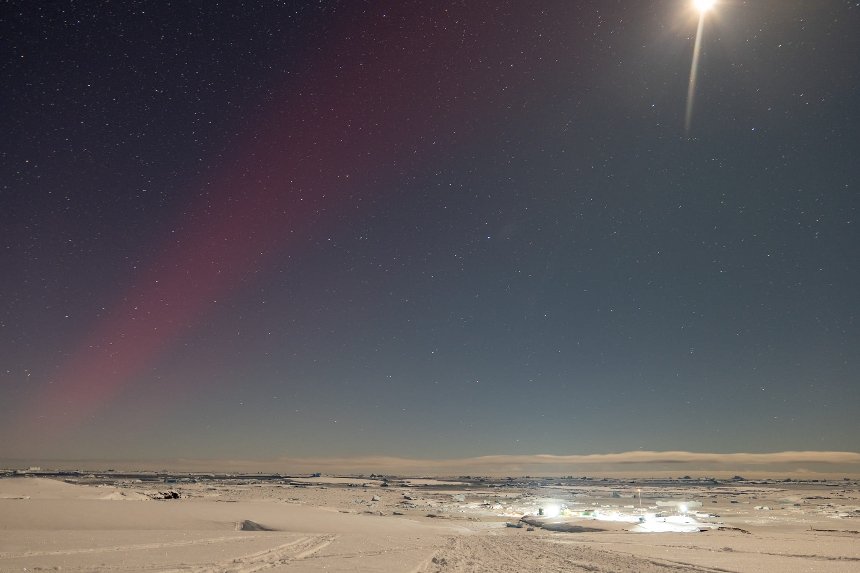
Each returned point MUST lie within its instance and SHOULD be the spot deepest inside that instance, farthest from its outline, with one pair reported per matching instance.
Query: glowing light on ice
(551, 510)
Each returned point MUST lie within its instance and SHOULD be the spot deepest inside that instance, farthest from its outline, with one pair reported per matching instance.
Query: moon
(704, 5)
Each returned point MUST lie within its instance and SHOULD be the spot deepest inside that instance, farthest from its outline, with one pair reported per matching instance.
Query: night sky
(427, 229)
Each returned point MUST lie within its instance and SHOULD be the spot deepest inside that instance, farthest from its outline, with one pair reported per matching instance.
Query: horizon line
(789, 462)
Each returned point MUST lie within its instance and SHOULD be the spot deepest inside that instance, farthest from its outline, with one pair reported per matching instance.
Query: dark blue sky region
(430, 230)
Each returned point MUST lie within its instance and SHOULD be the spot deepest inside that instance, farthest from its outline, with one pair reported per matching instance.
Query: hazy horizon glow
(811, 465)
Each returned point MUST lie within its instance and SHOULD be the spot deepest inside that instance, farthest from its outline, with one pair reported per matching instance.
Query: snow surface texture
(294, 524)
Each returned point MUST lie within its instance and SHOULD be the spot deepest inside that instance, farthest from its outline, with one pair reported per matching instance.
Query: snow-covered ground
(352, 524)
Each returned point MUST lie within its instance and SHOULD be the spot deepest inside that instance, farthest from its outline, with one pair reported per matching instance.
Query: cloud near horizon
(613, 463)
(632, 464)
(635, 463)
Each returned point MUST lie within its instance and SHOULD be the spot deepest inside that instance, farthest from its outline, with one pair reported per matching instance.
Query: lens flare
(703, 6)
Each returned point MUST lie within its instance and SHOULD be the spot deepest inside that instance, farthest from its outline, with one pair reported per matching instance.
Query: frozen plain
(245, 523)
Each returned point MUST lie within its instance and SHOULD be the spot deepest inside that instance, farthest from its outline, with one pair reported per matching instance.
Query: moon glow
(703, 6)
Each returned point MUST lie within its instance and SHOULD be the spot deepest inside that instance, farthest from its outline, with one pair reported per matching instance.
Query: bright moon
(704, 5)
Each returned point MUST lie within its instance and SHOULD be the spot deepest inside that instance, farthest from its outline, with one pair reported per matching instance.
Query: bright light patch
(703, 6)
(551, 510)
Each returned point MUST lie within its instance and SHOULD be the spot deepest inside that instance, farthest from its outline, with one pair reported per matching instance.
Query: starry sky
(427, 229)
